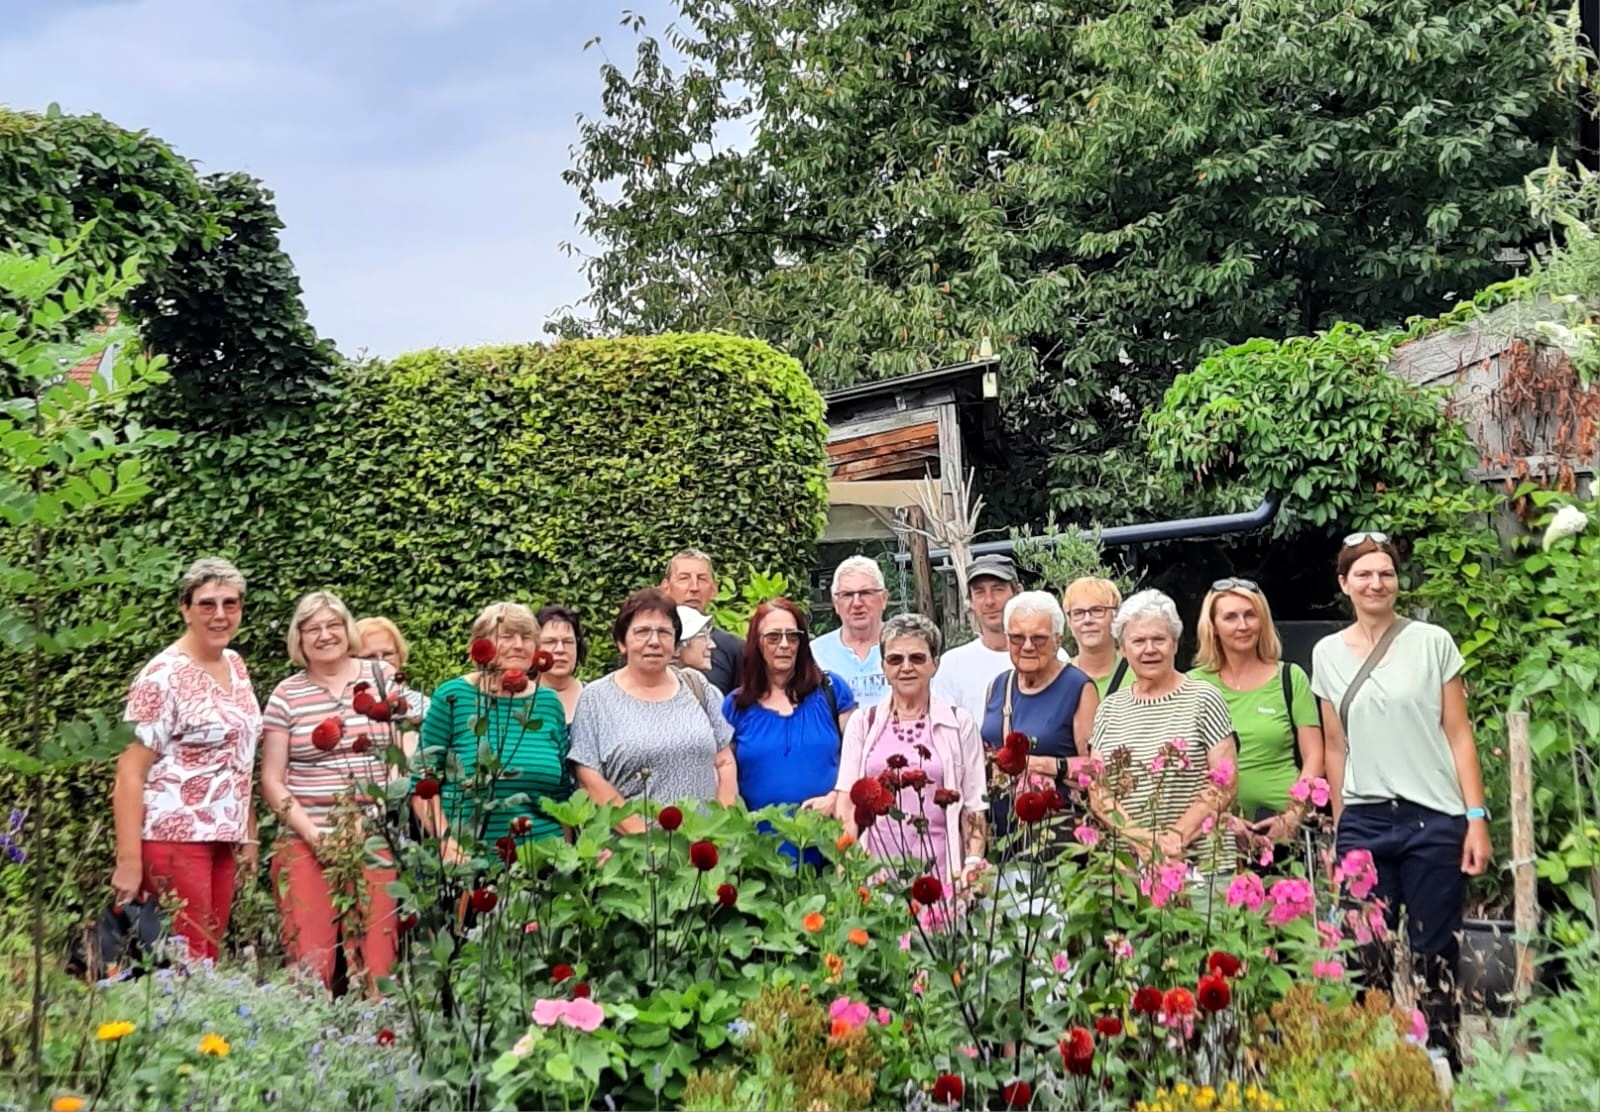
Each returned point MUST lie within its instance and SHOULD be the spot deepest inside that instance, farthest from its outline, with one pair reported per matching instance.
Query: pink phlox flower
(1246, 891)
(584, 1014)
(919, 983)
(905, 943)
(1419, 1025)
(1331, 934)
(1119, 947)
(1208, 824)
(969, 1051)
(1158, 764)
(1320, 793)
(1163, 881)
(523, 1046)
(1358, 873)
(1367, 924)
(1264, 858)
(1086, 834)
(1291, 898)
(1090, 771)
(883, 1016)
(1300, 791)
(547, 1012)
(854, 1013)
(1061, 963)
(1223, 775)
(530, 926)
(935, 919)
(1327, 970)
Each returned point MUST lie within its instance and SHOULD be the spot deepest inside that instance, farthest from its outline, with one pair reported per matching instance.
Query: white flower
(1568, 522)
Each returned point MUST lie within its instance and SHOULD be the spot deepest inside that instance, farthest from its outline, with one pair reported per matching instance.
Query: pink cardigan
(953, 735)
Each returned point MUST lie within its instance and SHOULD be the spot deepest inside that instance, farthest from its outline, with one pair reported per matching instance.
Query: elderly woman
(788, 715)
(1270, 701)
(1404, 773)
(381, 640)
(649, 730)
(1041, 695)
(561, 635)
(1167, 743)
(316, 750)
(909, 732)
(1090, 604)
(694, 649)
(182, 796)
(499, 705)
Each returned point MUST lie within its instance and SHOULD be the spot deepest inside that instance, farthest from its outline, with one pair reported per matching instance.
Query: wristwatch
(1478, 813)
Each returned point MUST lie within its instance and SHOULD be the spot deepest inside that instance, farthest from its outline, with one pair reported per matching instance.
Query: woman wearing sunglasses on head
(1274, 713)
(788, 716)
(1403, 767)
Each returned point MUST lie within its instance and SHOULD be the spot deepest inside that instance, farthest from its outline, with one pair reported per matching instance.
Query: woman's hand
(127, 880)
(1279, 828)
(1170, 843)
(823, 803)
(451, 853)
(1476, 850)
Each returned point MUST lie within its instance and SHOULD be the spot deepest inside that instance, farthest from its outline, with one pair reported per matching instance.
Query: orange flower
(834, 965)
(865, 895)
(846, 840)
(841, 1030)
(858, 937)
(813, 923)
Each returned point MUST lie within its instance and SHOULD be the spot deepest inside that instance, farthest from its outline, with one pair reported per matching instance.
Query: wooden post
(1522, 848)
(921, 566)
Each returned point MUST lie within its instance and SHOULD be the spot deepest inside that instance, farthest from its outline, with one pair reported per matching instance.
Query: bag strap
(697, 684)
(1374, 658)
(832, 696)
(1005, 707)
(1287, 680)
(1117, 677)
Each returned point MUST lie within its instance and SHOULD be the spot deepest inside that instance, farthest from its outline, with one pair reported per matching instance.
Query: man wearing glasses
(852, 650)
(690, 581)
(966, 671)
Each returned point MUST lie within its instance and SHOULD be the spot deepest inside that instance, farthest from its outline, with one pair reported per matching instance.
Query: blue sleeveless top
(1045, 716)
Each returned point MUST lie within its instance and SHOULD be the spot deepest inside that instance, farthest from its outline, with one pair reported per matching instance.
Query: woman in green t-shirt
(1274, 712)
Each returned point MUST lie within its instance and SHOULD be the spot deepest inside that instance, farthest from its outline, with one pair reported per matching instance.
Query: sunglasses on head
(1361, 538)
(1236, 585)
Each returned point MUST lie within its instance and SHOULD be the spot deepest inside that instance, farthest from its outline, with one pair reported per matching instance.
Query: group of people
(692, 713)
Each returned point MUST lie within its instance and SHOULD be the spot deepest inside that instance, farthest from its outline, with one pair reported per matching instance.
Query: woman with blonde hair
(1090, 604)
(380, 639)
(324, 744)
(523, 723)
(1274, 713)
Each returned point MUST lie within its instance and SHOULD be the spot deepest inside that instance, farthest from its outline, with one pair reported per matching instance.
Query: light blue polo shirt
(865, 677)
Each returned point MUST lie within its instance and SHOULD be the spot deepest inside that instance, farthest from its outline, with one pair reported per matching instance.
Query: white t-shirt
(965, 673)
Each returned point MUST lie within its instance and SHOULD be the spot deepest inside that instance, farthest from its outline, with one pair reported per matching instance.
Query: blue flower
(739, 1028)
(244, 1010)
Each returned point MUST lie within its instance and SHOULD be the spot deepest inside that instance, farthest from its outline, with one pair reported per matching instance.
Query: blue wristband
(1476, 813)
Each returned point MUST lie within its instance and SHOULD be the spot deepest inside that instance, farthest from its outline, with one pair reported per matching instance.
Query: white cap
(693, 621)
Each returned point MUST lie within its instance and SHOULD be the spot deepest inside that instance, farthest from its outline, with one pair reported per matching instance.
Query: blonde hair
(367, 626)
(1209, 656)
(1101, 592)
(308, 606)
(510, 616)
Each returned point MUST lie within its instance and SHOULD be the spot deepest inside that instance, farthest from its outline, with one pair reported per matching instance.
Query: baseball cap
(694, 622)
(1000, 567)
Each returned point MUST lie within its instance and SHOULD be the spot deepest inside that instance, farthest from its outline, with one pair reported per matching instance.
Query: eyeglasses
(647, 634)
(898, 660)
(558, 642)
(852, 596)
(319, 630)
(1088, 612)
(1361, 538)
(1236, 585)
(212, 605)
(1018, 640)
(779, 636)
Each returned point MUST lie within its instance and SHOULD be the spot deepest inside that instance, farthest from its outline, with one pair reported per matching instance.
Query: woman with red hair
(787, 715)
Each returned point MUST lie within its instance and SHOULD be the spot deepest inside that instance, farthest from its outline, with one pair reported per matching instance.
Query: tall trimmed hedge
(442, 481)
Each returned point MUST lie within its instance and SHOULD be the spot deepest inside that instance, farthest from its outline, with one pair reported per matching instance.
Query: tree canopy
(1107, 190)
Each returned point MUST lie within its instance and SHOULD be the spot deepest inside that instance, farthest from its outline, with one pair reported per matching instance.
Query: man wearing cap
(965, 671)
(690, 581)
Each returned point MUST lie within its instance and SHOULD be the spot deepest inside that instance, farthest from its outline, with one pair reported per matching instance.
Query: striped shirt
(317, 778)
(530, 735)
(1167, 741)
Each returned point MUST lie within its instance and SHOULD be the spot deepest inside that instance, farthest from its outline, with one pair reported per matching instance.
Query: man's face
(859, 602)
(690, 583)
(988, 596)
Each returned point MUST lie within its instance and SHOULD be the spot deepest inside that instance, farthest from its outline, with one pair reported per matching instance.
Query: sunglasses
(1361, 538)
(916, 660)
(779, 636)
(1236, 585)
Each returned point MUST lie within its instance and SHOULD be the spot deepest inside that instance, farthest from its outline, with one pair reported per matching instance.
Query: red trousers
(312, 931)
(200, 876)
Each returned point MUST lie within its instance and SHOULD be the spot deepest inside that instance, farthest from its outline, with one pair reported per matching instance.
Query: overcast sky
(415, 146)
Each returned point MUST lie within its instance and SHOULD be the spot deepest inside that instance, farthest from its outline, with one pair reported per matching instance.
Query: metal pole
(1588, 123)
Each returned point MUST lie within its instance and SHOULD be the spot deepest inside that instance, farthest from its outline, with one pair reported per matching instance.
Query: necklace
(907, 733)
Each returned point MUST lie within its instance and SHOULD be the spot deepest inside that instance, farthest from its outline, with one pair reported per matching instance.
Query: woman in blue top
(787, 714)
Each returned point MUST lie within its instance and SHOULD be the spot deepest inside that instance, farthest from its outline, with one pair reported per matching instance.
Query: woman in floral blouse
(182, 795)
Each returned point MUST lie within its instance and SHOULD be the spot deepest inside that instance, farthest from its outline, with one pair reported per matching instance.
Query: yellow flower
(116, 1029)
(214, 1045)
(1180, 1090)
(66, 1104)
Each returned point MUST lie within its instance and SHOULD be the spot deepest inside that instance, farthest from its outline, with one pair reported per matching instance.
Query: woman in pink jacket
(925, 757)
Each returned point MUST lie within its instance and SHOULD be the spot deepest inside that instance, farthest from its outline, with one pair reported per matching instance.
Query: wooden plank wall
(903, 453)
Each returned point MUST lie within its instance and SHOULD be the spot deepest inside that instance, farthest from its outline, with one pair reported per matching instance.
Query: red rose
(408, 922)
(1223, 963)
(1017, 1094)
(1108, 1026)
(361, 744)
(327, 733)
(542, 663)
(514, 681)
(483, 900)
(727, 895)
(947, 1089)
(703, 856)
(1178, 1002)
(483, 652)
(670, 818)
(380, 711)
(506, 846)
(1213, 993)
(1147, 1001)
(521, 825)
(580, 991)
(926, 889)
(1077, 1051)
(1012, 762)
(897, 760)
(914, 778)
(363, 702)
(945, 797)
(386, 1037)
(1030, 806)
(561, 973)
(427, 788)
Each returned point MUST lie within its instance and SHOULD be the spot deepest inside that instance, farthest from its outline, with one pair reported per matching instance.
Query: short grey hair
(1035, 602)
(1147, 604)
(312, 604)
(690, 554)
(866, 565)
(208, 569)
(911, 625)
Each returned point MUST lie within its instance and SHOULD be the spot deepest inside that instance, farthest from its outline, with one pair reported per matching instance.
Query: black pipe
(1588, 121)
(1218, 525)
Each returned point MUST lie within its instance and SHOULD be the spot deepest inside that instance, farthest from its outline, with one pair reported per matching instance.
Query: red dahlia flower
(427, 788)
(542, 663)
(386, 1037)
(408, 922)
(483, 900)
(1178, 1002)
(361, 744)
(670, 819)
(703, 856)
(947, 1089)
(926, 889)
(380, 711)
(1012, 762)
(506, 846)
(1147, 1001)
(727, 895)
(580, 991)
(1108, 1026)
(483, 652)
(1223, 963)
(1031, 806)
(1017, 1094)
(1016, 739)
(360, 688)
(521, 825)
(897, 760)
(945, 797)
(865, 791)
(1213, 993)
(914, 778)
(561, 973)
(327, 733)
(362, 702)
(890, 780)
(865, 817)
(1077, 1051)
(1054, 801)
(514, 681)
